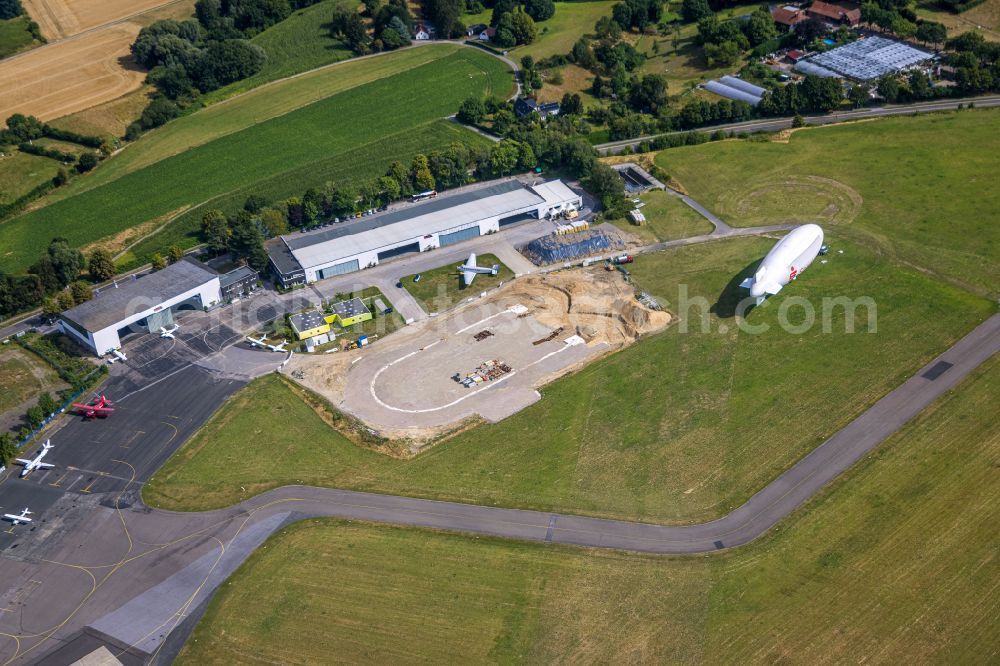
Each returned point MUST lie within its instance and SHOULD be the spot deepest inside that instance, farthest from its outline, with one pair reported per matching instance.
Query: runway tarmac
(140, 577)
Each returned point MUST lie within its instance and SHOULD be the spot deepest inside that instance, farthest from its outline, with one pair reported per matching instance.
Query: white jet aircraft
(36, 462)
(470, 270)
(262, 342)
(168, 332)
(18, 518)
(120, 355)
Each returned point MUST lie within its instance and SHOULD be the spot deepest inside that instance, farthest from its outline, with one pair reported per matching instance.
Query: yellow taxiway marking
(59, 480)
(100, 475)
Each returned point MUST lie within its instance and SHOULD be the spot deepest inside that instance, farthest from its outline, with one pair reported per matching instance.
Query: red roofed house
(788, 17)
(837, 13)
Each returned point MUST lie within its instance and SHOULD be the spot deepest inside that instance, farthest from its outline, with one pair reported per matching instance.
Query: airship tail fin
(746, 284)
(773, 288)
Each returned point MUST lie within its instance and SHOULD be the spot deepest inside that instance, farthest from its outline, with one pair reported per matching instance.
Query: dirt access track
(540, 326)
(87, 61)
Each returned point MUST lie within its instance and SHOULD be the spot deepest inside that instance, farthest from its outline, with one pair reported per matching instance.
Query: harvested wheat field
(63, 18)
(71, 75)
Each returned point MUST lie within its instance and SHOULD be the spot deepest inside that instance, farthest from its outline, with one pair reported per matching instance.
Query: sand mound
(599, 305)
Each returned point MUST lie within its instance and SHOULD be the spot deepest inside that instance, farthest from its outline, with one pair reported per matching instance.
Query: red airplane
(101, 408)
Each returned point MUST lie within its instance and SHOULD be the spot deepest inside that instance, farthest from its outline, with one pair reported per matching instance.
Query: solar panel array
(870, 58)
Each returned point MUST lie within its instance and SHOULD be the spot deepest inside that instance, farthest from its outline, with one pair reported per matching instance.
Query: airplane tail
(46, 446)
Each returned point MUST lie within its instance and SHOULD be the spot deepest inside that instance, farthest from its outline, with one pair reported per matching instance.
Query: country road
(778, 124)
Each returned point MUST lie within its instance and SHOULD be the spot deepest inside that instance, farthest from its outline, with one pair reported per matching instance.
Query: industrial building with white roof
(308, 257)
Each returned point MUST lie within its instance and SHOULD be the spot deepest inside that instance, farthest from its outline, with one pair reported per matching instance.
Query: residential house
(788, 17)
(525, 106)
(836, 13)
(423, 31)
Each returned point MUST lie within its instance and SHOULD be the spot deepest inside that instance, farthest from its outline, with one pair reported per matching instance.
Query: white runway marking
(371, 386)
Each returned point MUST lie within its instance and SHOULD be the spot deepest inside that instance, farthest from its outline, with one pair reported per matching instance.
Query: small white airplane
(36, 462)
(18, 518)
(121, 356)
(262, 342)
(168, 332)
(470, 270)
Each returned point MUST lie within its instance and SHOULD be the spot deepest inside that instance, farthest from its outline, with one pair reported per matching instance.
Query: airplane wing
(468, 277)
(42, 465)
(23, 461)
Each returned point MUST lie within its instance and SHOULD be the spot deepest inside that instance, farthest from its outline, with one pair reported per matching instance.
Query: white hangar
(351, 246)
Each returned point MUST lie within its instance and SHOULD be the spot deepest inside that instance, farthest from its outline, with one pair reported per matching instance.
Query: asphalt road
(778, 124)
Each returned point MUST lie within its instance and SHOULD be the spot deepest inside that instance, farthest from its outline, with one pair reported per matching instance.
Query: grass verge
(667, 218)
(894, 563)
(442, 288)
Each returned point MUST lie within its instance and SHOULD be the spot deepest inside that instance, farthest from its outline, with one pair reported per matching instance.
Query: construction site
(485, 360)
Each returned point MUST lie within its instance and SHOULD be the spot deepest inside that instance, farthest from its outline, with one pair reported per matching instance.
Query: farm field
(667, 218)
(270, 101)
(19, 172)
(894, 563)
(277, 158)
(15, 37)
(601, 441)
(109, 119)
(299, 43)
(925, 193)
(442, 287)
(70, 75)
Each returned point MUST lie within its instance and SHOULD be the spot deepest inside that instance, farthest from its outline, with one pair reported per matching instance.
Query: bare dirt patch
(71, 75)
(541, 326)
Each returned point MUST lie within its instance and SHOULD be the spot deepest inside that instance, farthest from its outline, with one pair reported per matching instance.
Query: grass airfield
(894, 562)
(680, 427)
(880, 568)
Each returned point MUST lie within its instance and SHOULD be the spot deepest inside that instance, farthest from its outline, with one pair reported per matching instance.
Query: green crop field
(667, 218)
(894, 563)
(278, 157)
(261, 104)
(14, 36)
(443, 287)
(681, 426)
(922, 187)
(299, 43)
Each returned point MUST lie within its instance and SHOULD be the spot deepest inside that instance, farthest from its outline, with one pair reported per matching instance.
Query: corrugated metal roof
(437, 216)
(554, 192)
(745, 86)
(134, 296)
(732, 93)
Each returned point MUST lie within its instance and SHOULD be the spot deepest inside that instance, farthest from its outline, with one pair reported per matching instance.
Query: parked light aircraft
(100, 407)
(262, 342)
(168, 332)
(470, 270)
(18, 518)
(786, 260)
(36, 462)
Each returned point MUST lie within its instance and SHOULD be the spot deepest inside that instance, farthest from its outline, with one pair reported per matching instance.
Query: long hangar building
(303, 258)
(144, 305)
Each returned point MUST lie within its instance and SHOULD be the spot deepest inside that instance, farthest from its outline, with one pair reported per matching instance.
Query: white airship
(785, 261)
